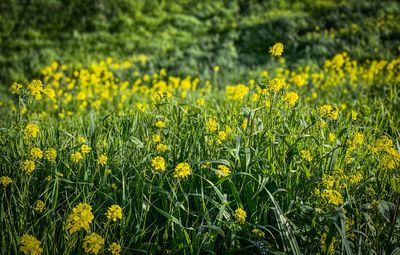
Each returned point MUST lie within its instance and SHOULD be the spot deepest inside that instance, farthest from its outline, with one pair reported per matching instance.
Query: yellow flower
(332, 137)
(142, 107)
(276, 85)
(31, 131)
(156, 138)
(305, 154)
(30, 245)
(28, 166)
(76, 157)
(115, 249)
(212, 125)
(81, 139)
(160, 124)
(5, 181)
(290, 98)
(329, 111)
(16, 88)
(114, 212)
(236, 93)
(35, 89)
(102, 160)
(354, 115)
(200, 102)
(332, 196)
(158, 163)
(223, 171)
(162, 147)
(216, 69)
(81, 217)
(40, 206)
(182, 170)
(93, 243)
(355, 178)
(85, 149)
(50, 154)
(259, 233)
(240, 215)
(36, 153)
(277, 49)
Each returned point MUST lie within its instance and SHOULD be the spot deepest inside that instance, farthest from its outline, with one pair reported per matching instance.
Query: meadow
(120, 155)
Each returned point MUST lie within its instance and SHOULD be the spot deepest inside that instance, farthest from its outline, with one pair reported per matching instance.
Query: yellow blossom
(212, 125)
(40, 206)
(290, 98)
(102, 159)
(114, 212)
(276, 49)
(50, 154)
(16, 88)
(162, 147)
(28, 166)
(36, 153)
(158, 163)
(76, 157)
(81, 217)
(160, 124)
(115, 249)
(306, 154)
(5, 181)
(223, 171)
(31, 131)
(30, 245)
(85, 149)
(93, 243)
(182, 170)
(240, 215)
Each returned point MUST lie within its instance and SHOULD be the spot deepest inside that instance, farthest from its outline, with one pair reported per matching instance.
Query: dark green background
(190, 36)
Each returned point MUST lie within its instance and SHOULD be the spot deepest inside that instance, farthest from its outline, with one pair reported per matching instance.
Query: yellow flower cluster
(81, 217)
(36, 153)
(76, 157)
(114, 212)
(93, 243)
(31, 131)
(240, 215)
(114, 248)
(28, 166)
(306, 154)
(329, 111)
(276, 49)
(236, 92)
(30, 245)
(182, 170)
(5, 181)
(102, 159)
(50, 154)
(290, 98)
(212, 125)
(223, 171)
(40, 206)
(158, 164)
(276, 84)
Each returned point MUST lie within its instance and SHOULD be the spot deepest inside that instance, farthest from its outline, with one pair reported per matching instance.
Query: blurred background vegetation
(191, 37)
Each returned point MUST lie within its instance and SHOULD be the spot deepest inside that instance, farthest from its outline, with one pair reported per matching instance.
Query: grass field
(122, 156)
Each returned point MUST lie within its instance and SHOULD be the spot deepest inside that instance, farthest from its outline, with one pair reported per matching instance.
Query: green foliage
(190, 37)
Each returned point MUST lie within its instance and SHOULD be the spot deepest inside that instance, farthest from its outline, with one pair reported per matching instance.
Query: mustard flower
(30, 245)
(50, 154)
(277, 49)
(40, 206)
(5, 181)
(223, 171)
(93, 243)
(31, 131)
(102, 160)
(182, 170)
(28, 166)
(36, 153)
(114, 212)
(76, 157)
(158, 163)
(240, 215)
(81, 217)
(114, 248)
